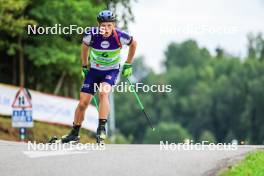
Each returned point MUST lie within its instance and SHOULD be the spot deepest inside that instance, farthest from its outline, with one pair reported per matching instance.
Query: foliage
(222, 94)
(56, 57)
(171, 132)
(121, 139)
(251, 165)
(207, 136)
(41, 132)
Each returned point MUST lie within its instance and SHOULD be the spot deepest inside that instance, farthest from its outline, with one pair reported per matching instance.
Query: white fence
(48, 108)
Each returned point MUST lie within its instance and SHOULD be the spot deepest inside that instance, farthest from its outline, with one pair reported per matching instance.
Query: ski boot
(100, 135)
(72, 138)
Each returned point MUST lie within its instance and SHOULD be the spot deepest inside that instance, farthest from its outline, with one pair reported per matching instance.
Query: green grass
(252, 165)
(41, 132)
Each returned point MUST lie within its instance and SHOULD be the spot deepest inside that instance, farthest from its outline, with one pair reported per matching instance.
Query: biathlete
(103, 51)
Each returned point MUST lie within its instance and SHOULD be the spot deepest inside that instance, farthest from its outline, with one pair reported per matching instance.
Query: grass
(41, 132)
(252, 165)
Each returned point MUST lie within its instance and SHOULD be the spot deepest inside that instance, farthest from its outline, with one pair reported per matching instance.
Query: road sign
(22, 118)
(22, 99)
(22, 110)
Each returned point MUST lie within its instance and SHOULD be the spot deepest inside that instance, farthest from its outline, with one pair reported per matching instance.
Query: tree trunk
(73, 90)
(59, 84)
(254, 127)
(66, 91)
(21, 63)
(14, 69)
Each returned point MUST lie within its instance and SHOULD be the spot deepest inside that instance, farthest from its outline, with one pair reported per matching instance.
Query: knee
(82, 105)
(103, 95)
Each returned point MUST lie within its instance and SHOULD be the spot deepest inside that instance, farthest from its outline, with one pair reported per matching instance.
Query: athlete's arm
(85, 54)
(131, 52)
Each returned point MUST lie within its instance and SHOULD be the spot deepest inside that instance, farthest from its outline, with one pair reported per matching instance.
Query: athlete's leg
(85, 99)
(105, 88)
(104, 105)
(86, 96)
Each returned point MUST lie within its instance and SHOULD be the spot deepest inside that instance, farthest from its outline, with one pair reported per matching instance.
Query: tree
(58, 55)
(171, 132)
(207, 136)
(223, 96)
(12, 24)
(255, 46)
(125, 12)
(185, 54)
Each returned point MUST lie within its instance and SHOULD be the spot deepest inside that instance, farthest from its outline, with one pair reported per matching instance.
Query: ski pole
(140, 104)
(95, 102)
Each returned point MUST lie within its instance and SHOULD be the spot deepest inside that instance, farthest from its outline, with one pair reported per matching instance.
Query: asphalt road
(115, 160)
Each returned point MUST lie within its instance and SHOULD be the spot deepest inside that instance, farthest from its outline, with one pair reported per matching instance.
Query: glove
(127, 70)
(84, 71)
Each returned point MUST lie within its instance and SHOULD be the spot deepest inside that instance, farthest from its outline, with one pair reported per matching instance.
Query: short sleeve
(87, 37)
(125, 38)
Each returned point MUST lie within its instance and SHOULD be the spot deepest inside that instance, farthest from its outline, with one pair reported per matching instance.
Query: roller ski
(72, 138)
(64, 139)
(100, 135)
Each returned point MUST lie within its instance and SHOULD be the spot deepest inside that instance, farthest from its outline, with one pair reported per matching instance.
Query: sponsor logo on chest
(105, 44)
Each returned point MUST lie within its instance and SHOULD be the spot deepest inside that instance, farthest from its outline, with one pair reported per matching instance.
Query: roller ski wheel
(54, 139)
(65, 139)
(100, 135)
